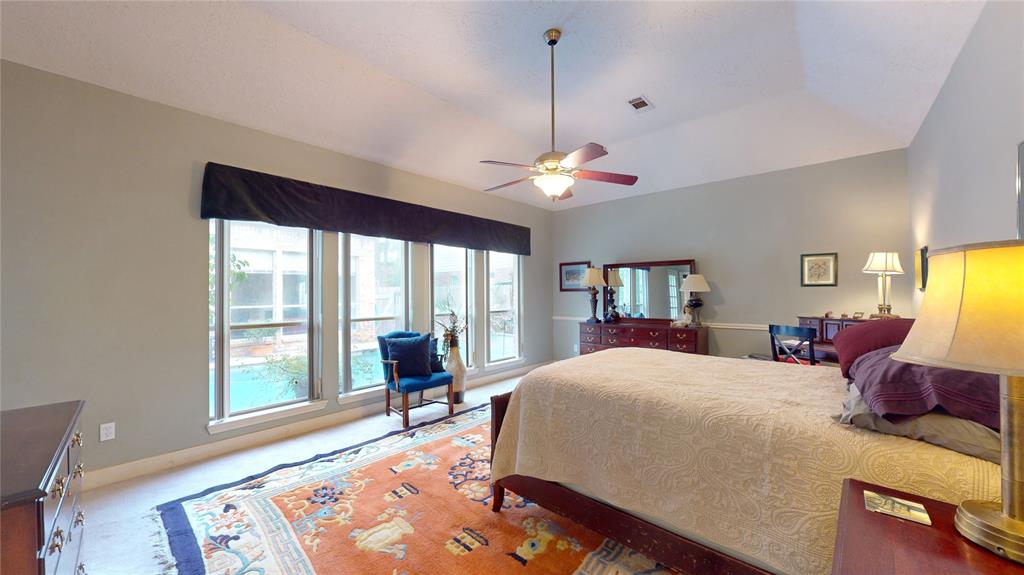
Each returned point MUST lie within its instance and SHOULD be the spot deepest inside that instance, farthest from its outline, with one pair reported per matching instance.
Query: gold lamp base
(984, 523)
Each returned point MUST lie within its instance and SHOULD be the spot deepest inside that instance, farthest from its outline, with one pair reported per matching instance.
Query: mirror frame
(649, 264)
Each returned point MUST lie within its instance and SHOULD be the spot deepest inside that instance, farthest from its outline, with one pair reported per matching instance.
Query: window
(377, 304)
(633, 293)
(260, 344)
(673, 293)
(502, 306)
(451, 272)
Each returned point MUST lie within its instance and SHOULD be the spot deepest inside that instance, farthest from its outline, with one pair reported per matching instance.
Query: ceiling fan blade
(497, 163)
(566, 194)
(583, 154)
(507, 184)
(611, 178)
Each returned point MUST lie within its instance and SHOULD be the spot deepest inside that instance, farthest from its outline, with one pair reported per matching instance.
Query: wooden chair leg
(451, 399)
(499, 497)
(387, 400)
(405, 410)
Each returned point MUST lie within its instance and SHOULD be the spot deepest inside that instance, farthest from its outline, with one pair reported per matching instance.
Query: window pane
(269, 273)
(212, 353)
(503, 315)
(451, 291)
(376, 289)
(268, 366)
(367, 370)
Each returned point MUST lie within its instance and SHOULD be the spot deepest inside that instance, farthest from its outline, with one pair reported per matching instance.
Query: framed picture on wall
(570, 276)
(819, 270)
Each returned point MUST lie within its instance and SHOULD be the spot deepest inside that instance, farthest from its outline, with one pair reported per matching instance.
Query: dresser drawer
(590, 329)
(651, 343)
(684, 346)
(614, 331)
(586, 348)
(74, 451)
(590, 338)
(56, 495)
(647, 332)
(70, 556)
(682, 335)
(812, 322)
(617, 340)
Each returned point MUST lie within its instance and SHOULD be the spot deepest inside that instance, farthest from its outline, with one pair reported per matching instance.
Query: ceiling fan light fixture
(553, 185)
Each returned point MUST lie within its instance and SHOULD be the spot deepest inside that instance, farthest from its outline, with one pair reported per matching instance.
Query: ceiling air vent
(641, 104)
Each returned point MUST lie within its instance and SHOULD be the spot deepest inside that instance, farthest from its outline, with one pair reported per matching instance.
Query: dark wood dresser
(828, 327)
(651, 333)
(40, 478)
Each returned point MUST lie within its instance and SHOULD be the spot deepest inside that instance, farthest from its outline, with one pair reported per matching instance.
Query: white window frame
(518, 259)
(466, 338)
(222, 384)
(345, 319)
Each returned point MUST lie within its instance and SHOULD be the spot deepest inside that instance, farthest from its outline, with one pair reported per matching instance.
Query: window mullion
(223, 335)
(345, 305)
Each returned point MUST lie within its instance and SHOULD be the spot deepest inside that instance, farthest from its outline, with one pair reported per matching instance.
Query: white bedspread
(738, 454)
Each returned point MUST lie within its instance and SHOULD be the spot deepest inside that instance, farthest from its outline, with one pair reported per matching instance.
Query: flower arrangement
(452, 329)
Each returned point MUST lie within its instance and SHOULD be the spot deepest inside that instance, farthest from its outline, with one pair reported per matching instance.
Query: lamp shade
(594, 278)
(695, 282)
(883, 263)
(972, 317)
(614, 279)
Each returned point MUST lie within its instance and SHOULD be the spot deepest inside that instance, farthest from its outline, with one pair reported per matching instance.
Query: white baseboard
(159, 463)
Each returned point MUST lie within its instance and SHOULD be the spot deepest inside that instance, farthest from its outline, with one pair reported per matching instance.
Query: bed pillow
(960, 435)
(412, 354)
(893, 388)
(856, 340)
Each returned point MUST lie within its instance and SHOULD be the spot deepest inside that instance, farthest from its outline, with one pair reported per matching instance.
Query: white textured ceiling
(738, 88)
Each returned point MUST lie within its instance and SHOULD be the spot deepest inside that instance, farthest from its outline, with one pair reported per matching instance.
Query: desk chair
(805, 335)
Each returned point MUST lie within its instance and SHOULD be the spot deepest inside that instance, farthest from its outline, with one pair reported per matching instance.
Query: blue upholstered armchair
(412, 383)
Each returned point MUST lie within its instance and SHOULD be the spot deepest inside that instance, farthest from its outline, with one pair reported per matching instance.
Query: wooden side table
(874, 543)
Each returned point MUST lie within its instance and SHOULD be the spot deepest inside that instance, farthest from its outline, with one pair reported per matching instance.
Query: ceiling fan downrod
(551, 37)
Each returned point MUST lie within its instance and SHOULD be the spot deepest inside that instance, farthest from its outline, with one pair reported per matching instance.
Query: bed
(707, 464)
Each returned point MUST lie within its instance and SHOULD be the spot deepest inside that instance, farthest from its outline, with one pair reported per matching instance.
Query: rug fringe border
(160, 545)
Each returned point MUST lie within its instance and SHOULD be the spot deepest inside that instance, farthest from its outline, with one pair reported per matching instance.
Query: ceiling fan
(557, 171)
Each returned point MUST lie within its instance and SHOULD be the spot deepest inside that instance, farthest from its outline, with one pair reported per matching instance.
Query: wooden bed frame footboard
(655, 542)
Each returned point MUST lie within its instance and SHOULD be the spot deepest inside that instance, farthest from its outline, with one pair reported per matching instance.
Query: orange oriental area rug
(409, 503)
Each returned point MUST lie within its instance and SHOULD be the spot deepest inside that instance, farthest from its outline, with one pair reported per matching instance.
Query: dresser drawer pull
(57, 491)
(57, 541)
(612, 330)
(681, 335)
(653, 333)
(612, 341)
(652, 343)
(76, 439)
(80, 518)
(79, 470)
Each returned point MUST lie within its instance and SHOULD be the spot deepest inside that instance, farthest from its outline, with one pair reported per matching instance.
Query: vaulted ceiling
(738, 88)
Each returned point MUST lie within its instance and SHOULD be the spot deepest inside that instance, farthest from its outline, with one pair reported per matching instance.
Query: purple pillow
(896, 388)
(856, 340)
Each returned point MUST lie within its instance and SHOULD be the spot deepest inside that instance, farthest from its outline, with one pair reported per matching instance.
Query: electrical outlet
(107, 431)
(575, 348)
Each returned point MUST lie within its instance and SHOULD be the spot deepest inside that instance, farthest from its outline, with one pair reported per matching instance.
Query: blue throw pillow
(411, 353)
(435, 360)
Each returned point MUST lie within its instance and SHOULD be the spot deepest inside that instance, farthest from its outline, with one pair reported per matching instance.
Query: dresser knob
(76, 439)
(57, 491)
(79, 470)
(57, 541)
(80, 518)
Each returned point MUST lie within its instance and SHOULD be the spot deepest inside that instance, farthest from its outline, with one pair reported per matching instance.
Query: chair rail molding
(712, 325)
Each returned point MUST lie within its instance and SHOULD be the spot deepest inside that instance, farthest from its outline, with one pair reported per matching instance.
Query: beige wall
(105, 256)
(747, 235)
(961, 165)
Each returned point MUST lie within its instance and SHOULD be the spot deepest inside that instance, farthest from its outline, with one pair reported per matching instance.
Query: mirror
(649, 290)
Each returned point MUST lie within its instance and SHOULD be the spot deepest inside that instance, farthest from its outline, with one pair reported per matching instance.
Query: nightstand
(877, 544)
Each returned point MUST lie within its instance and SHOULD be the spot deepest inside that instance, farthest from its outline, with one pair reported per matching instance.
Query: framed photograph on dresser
(819, 270)
(570, 276)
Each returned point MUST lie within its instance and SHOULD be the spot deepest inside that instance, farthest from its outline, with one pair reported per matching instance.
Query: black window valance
(232, 193)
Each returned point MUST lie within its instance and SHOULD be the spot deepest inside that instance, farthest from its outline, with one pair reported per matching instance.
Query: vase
(457, 368)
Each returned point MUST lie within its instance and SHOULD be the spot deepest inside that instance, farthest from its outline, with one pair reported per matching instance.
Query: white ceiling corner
(738, 88)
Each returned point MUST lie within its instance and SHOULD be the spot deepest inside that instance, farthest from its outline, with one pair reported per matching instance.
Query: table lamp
(972, 318)
(593, 279)
(886, 265)
(695, 284)
(614, 281)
